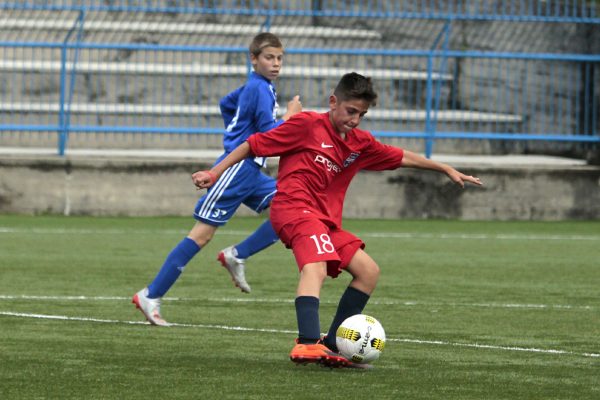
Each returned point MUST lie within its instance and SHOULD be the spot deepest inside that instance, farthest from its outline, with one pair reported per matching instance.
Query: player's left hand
(459, 178)
(203, 179)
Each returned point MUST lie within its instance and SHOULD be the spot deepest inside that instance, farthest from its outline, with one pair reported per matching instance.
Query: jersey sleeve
(228, 105)
(380, 157)
(284, 139)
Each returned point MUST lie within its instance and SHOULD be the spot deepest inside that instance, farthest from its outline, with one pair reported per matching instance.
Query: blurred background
(460, 79)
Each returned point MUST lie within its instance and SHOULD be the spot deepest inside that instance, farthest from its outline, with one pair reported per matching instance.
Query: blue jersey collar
(255, 75)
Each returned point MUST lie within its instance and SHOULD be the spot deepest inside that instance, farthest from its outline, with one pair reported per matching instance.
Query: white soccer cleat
(236, 268)
(149, 307)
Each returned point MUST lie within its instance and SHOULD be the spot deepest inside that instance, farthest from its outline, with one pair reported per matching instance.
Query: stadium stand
(129, 76)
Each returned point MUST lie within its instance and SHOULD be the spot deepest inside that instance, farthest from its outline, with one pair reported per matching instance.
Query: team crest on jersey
(351, 158)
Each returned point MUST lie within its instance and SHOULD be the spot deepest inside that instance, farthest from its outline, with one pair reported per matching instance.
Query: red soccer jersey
(317, 165)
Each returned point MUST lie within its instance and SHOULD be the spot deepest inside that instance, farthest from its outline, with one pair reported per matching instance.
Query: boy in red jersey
(319, 156)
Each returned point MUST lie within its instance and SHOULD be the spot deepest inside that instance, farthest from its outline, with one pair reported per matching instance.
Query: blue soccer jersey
(248, 109)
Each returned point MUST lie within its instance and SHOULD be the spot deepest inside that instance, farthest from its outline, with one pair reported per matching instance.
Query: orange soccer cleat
(317, 353)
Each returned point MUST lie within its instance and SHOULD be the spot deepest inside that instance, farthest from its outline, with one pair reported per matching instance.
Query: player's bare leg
(312, 277)
(202, 233)
(365, 273)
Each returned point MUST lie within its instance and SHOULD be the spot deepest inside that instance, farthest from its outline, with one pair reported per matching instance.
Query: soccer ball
(360, 339)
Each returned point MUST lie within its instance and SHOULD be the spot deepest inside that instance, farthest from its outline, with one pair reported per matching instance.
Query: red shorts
(312, 241)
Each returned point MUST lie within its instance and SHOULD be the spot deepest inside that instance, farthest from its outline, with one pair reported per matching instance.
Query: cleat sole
(305, 360)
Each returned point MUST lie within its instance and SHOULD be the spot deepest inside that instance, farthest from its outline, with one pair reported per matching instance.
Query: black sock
(307, 314)
(352, 302)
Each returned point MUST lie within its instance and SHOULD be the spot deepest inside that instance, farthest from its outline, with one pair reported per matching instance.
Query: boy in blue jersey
(248, 109)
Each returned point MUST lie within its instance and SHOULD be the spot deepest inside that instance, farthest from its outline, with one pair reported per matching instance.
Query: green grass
(472, 310)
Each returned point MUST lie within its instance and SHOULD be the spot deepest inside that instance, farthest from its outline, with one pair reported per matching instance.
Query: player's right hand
(294, 106)
(203, 179)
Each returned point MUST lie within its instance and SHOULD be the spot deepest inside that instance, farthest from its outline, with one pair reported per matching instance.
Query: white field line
(393, 235)
(495, 347)
(116, 321)
(290, 301)
(263, 330)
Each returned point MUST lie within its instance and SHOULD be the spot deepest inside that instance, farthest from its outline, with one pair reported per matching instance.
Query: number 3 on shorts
(323, 243)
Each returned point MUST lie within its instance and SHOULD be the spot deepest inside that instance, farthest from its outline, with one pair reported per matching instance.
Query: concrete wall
(136, 187)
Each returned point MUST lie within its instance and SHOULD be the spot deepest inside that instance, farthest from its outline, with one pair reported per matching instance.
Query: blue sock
(352, 302)
(307, 313)
(263, 237)
(172, 267)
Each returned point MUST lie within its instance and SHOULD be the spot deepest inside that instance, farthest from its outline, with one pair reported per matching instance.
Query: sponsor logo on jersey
(351, 158)
(330, 165)
(326, 146)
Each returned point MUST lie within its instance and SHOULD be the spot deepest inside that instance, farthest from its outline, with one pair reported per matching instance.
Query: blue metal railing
(542, 132)
(522, 10)
(537, 96)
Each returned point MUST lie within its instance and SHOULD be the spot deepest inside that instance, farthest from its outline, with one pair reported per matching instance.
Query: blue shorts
(243, 183)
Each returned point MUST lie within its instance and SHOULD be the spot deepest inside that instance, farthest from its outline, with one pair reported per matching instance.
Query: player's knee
(202, 238)
(201, 241)
(316, 271)
(371, 274)
(202, 233)
(366, 278)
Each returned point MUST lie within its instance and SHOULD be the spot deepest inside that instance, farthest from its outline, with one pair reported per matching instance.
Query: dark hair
(355, 86)
(262, 40)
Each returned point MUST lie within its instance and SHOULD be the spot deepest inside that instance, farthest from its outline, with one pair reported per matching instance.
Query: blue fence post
(430, 108)
(62, 128)
(80, 22)
(64, 112)
(428, 102)
(266, 26)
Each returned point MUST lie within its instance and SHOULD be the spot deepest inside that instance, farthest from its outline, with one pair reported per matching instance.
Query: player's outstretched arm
(205, 179)
(413, 160)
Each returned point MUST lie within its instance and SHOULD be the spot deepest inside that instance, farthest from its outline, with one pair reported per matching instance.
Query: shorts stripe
(218, 189)
(261, 206)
